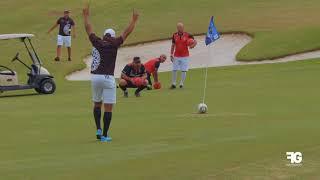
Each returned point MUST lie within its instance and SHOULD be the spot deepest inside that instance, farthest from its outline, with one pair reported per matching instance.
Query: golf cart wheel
(47, 86)
(38, 90)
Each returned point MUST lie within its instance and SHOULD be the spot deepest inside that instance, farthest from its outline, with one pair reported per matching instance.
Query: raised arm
(130, 28)
(87, 24)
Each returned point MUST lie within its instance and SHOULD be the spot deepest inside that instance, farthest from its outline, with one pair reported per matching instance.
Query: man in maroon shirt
(102, 70)
(66, 25)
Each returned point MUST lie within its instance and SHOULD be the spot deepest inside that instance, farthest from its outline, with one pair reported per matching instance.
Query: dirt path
(223, 53)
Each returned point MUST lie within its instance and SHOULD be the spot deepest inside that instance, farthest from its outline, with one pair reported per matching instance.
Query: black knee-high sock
(107, 121)
(97, 116)
(140, 89)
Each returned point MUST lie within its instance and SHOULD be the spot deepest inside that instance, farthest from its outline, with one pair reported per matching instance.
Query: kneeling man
(133, 76)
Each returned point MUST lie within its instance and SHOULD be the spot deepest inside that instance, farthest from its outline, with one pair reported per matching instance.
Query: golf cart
(38, 77)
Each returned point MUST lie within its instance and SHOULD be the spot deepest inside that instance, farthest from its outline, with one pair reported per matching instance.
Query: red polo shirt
(181, 42)
(152, 65)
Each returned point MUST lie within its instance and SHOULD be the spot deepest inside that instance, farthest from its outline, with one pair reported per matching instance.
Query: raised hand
(130, 28)
(135, 15)
(86, 14)
(86, 11)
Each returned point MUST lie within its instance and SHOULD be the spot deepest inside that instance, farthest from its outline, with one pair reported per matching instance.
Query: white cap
(111, 32)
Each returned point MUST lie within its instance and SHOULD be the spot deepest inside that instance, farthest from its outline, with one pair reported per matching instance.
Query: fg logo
(294, 157)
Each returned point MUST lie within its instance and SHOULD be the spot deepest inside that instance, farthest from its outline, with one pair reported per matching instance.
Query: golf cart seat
(8, 77)
(8, 73)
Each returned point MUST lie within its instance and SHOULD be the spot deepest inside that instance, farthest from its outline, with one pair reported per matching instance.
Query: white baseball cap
(111, 32)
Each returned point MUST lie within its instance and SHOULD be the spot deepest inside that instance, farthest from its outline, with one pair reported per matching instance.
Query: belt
(107, 76)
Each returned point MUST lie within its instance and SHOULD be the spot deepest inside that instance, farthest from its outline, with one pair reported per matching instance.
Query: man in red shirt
(152, 67)
(180, 54)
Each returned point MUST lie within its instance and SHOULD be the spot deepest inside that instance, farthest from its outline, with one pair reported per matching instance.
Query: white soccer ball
(202, 108)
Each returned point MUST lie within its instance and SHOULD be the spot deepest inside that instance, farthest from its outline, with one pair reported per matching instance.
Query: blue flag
(212, 34)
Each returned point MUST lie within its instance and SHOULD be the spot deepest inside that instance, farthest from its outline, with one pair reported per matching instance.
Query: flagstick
(206, 75)
(212, 36)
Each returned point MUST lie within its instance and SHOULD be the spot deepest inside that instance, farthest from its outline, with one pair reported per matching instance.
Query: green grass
(256, 114)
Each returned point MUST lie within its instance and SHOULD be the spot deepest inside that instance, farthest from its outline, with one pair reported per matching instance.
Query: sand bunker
(222, 53)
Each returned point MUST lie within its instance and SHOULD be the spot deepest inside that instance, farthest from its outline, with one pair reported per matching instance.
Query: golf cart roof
(15, 36)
